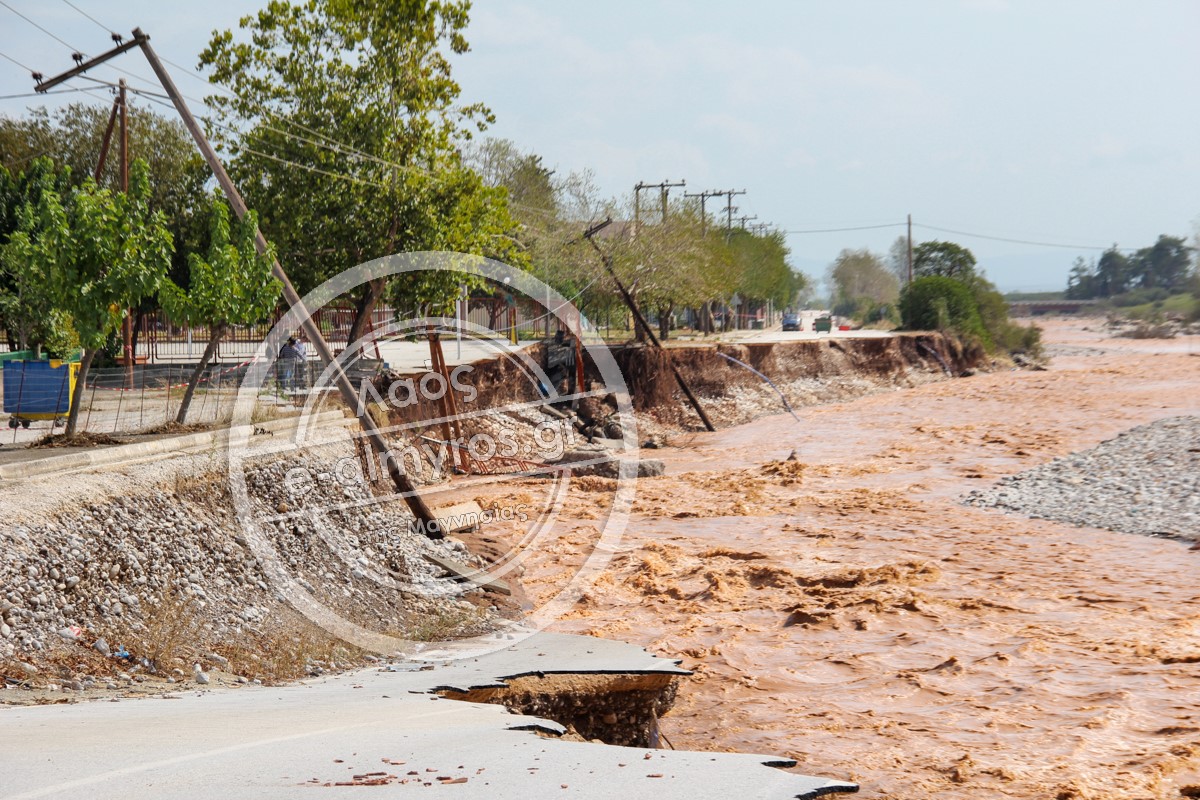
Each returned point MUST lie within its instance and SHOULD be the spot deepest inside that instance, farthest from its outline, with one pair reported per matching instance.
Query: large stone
(606, 464)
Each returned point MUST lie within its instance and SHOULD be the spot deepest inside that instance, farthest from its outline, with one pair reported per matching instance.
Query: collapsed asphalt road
(383, 727)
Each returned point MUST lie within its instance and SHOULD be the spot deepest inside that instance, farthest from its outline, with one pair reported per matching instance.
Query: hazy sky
(1060, 121)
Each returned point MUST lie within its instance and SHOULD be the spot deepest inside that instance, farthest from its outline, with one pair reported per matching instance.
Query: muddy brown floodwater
(845, 610)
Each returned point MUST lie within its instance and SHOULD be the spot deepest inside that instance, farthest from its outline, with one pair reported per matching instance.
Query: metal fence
(146, 399)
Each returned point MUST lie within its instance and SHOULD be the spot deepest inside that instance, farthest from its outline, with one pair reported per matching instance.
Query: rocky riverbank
(164, 571)
(1146, 481)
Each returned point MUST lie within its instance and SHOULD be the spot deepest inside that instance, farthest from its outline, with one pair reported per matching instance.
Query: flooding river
(845, 610)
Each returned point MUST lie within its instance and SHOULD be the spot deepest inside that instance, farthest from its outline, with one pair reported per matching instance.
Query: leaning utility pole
(910, 275)
(640, 320)
(405, 486)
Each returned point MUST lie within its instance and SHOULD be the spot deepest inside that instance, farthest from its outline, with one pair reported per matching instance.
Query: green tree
(863, 285)
(1082, 281)
(102, 252)
(1166, 264)
(27, 310)
(947, 259)
(1113, 273)
(350, 136)
(233, 285)
(72, 136)
(897, 259)
(935, 302)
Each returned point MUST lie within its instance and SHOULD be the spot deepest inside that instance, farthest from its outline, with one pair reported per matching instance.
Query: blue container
(38, 389)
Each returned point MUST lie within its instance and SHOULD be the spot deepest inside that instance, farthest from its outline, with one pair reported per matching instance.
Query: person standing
(291, 357)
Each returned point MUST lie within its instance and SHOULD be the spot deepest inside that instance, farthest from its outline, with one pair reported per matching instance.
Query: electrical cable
(39, 94)
(855, 228)
(63, 42)
(1006, 239)
(18, 63)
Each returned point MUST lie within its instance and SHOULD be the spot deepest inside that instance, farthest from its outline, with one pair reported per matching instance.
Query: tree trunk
(77, 395)
(638, 334)
(138, 319)
(495, 306)
(664, 320)
(218, 330)
(706, 318)
(363, 310)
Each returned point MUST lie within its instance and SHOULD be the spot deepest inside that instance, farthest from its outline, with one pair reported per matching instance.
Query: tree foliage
(1165, 266)
(936, 302)
(864, 288)
(98, 251)
(348, 139)
(27, 311)
(948, 259)
(72, 137)
(231, 285)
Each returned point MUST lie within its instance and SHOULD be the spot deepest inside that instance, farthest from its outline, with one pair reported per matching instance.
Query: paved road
(286, 742)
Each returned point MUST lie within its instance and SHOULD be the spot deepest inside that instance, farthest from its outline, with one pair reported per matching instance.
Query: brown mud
(846, 611)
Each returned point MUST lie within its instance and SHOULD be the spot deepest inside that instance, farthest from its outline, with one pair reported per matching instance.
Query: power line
(1006, 239)
(100, 24)
(18, 63)
(856, 228)
(63, 42)
(39, 94)
(279, 159)
(330, 144)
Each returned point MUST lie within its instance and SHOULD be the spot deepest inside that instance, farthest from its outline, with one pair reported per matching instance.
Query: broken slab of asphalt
(383, 727)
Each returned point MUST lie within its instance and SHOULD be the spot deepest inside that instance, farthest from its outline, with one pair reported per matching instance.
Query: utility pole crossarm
(45, 86)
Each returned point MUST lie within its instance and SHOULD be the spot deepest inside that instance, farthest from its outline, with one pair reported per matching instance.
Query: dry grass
(455, 623)
(80, 439)
(174, 427)
(286, 651)
(166, 632)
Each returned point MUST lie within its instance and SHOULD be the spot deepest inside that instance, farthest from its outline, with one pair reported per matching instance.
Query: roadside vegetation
(949, 293)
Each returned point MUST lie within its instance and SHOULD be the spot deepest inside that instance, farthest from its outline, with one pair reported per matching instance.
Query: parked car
(791, 322)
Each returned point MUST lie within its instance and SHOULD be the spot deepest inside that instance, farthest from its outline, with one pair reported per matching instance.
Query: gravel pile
(1147, 481)
(103, 566)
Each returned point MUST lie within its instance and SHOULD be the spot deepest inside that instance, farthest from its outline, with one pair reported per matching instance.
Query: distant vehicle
(791, 322)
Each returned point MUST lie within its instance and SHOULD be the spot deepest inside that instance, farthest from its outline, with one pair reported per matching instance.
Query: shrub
(936, 302)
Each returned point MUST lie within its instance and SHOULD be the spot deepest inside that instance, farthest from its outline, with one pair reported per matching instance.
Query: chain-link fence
(145, 398)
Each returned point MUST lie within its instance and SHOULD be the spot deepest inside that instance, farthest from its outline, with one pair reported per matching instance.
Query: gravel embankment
(101, 566)
(1146, 480)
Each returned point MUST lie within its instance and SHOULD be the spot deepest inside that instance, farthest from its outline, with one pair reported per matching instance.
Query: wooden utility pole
(106, 142)
(703, 214)
(910, 268)
(729, 208)
(406, 488)
(640, 320)
(664, 189)
(447, 402)
(744, 219)
(127, 323)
